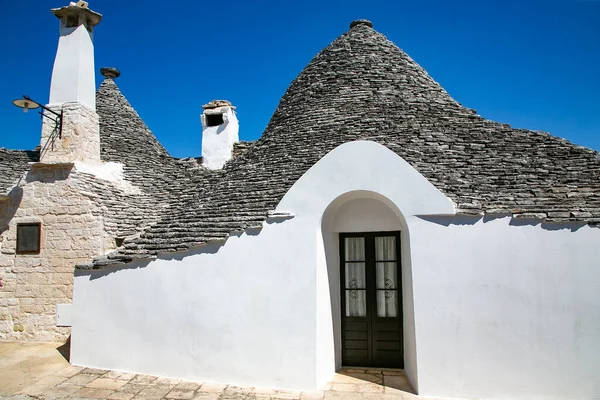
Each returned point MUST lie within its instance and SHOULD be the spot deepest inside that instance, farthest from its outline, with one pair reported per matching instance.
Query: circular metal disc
(22, 103)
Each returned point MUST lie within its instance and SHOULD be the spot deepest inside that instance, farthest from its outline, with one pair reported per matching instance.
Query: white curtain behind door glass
(386, 277)
(387, 303)
(354, 248)
(356, 303)
(385, 248)
(356, 299)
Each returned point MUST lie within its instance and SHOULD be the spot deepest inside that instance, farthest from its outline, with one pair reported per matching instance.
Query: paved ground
(41, 371)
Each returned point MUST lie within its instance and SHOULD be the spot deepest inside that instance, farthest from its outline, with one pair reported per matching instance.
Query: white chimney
(73, 90)
(73, 75)
(219, 132)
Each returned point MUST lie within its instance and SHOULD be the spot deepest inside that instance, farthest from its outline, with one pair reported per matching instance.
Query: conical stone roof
(152, 177)
(125, 138)
(362, 86)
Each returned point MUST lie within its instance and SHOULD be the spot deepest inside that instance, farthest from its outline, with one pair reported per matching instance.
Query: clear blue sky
(533, 64)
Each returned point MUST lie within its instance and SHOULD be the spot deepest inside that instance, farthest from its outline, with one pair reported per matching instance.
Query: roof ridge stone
(358, 22)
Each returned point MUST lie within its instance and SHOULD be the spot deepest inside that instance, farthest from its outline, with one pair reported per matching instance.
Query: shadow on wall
(65, 349)
(452, 220)
(212, 247)
(49, 175)
(514, 221)
(207, 248)
(100, 273)
(9, 207)
(549, 226)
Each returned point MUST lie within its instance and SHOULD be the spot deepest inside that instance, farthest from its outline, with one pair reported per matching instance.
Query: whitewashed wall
(73, 74)
(218, 141)
(255, 311)
(491, 310)
(506, 310)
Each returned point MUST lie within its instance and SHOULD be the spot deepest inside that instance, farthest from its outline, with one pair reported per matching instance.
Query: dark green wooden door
(371, 299)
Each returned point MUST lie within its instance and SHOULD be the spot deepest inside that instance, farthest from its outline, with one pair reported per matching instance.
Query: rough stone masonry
(35, 283)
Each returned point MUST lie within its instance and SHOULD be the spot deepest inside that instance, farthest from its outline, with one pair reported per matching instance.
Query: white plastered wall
(218, 141)
(492, 309)
(255, 311)
(506, 309)
(73, 75)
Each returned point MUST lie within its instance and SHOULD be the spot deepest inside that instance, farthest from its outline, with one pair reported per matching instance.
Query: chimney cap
(361, 22)
(110, 73)
(75, 9)
(218, 103)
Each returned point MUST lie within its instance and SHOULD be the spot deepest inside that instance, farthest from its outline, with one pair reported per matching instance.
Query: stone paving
(86, 383)
(41, 371)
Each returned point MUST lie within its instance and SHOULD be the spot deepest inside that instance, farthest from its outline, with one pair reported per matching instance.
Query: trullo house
(376, 223)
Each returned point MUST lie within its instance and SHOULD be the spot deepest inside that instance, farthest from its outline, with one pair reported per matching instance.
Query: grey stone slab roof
(126, 212)
(240, 147)
(13, 164)
(161, 180)
(362, 86)
(125, 138)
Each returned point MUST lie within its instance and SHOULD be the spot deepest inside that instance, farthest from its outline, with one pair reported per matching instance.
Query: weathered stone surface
(159, 178)
(363, 87)
(240, 147)
(106, 383)
(44, 382)
(109, 72)
(79, 139)
(71, 232)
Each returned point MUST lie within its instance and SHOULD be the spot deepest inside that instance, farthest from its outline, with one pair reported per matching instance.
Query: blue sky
(533, 64)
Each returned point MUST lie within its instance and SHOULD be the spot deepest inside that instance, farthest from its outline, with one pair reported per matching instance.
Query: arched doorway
(365, 241)
(359, 170)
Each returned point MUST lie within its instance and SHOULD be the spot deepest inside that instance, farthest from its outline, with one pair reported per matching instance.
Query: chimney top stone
(79, 11)
(110, 73)
(218, 103)
(361, 22)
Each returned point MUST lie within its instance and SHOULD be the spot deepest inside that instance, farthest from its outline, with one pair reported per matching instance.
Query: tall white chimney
(73, 75)
(219, 132)
(73, 90)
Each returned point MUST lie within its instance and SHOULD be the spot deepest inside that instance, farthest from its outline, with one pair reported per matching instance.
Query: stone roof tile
(363, 87)
(13, 164)
(161, 179)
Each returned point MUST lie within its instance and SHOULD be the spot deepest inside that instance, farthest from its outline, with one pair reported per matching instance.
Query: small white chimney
(73, 90)
(219, 132)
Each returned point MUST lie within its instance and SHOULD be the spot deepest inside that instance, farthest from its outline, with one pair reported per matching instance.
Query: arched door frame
(330, 230)
(370, 169)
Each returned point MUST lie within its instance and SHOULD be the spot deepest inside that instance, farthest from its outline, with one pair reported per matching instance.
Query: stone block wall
(80, 139)
(71, 232)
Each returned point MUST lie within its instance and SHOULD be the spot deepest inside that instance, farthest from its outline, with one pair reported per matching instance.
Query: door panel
(371, 300)
(353, 329)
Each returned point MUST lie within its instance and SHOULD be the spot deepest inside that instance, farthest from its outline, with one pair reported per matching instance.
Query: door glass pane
(387, 303)
(355, 275)
(354, 248)
(386, 275)
(356, 303)
(385, 248)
